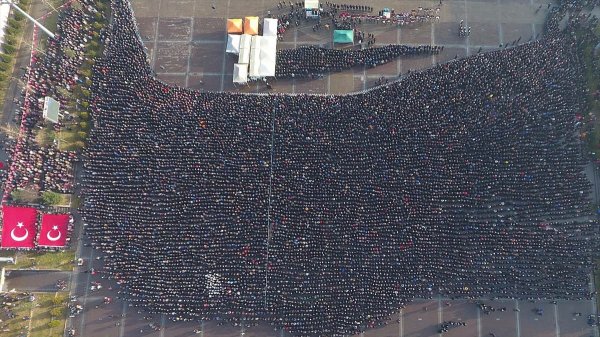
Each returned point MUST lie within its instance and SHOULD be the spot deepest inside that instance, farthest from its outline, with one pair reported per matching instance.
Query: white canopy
(268, 55)
(311, 4)
(270, 27)
(245, 42)
(255, 57)
(233, 44)
(240, 73)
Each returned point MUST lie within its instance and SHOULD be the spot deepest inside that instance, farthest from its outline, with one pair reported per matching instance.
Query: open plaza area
(453, 190)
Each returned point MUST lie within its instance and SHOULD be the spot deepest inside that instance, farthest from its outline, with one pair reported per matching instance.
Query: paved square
(176, 29)
(172, 57)
(208, 58)
(421, 318)
(185, 41)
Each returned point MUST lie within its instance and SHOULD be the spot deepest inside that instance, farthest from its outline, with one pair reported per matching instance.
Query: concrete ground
(186, 39)
(35, 280)
(186, 42)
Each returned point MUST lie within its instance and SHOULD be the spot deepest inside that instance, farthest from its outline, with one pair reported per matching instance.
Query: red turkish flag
(18, 227)
(54, 230)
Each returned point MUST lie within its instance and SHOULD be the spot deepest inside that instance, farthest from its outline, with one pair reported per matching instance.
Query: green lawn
(15, 326)
(42, 315)
(68, 140)
(62, 260)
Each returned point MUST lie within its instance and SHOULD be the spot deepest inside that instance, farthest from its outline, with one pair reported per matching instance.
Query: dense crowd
(35, 165)
(325, 214)
(312, 61)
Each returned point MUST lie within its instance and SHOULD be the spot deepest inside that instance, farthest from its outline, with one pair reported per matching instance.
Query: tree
(54, 324)
(83, 125)
(82, 135)
(14, 23)
(18, 16)
(9, 49)
(69, 52)
(50, 198)
(57, 311)
(79, 144)
(84, 115)
(57, 300)
(6, 58)
(85, 104)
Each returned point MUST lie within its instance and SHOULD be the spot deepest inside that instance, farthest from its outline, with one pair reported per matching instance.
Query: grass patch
(69, 140)
(17, 326)
(45, 136)
(28, 196)
(45, 311)
(61, 260)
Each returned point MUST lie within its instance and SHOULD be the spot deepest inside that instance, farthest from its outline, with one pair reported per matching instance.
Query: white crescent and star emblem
(53, 238)
(19, 238)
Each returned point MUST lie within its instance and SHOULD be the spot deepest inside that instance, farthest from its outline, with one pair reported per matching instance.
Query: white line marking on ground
(224, 58)
(467, 41)
(123, 314)
(518, 318)
(440, 311)
(556, 320)
(163, 320)
(399, 61)
(500, 32)
(155, 49)
(478, 322)
(433, 58)
(401, 324)
(187, 73)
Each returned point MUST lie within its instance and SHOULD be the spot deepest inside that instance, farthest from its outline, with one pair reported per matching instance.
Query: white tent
(240, 73)
(311, 4)
(255, 57)
(312, 8)
(245, 43)
(268, 55)
(270, 27)
(233, 44)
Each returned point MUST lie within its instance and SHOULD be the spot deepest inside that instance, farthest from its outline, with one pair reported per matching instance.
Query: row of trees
(12, 35)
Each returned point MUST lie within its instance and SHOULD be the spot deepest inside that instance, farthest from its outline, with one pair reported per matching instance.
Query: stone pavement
(185, 40)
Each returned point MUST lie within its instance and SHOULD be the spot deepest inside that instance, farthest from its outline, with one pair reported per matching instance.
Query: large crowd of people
(323, 214)
(33, 165)
(309, 61)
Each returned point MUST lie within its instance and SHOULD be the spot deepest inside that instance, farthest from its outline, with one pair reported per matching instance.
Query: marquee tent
(268, 55)
(311, 4)
(270, 27)
(234, 26)
(311, 7)
(18, 227)
(233, 44)
(245, 44)
(251, 25)
(255, 57)
(240, 73)
(54, 230)
(343, 36)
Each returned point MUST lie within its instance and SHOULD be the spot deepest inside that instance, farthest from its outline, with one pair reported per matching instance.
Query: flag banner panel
(54, 230)
(18, 227)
